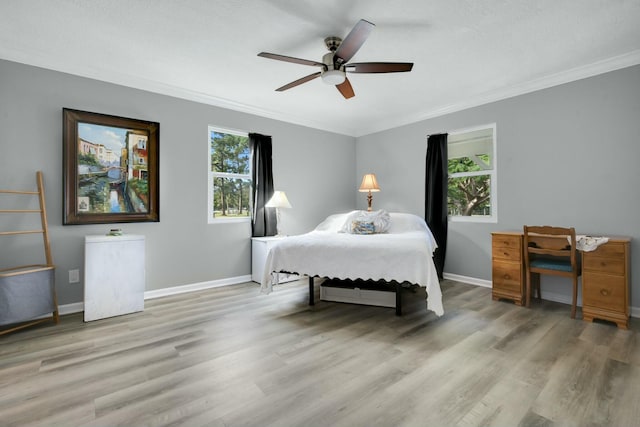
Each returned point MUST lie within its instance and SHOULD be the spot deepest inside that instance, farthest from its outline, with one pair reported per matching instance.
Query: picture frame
(110, 169)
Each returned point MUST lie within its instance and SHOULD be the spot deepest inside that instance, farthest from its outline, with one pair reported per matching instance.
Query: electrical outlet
(74, 276)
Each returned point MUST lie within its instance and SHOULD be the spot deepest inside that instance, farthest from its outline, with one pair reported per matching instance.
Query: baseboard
(176, 290)
(550, 296)
(78, 307)
(466, 279)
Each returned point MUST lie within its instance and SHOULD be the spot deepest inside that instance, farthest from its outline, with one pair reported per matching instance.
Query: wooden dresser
(605, 276)
(605, 282)
(507, 267)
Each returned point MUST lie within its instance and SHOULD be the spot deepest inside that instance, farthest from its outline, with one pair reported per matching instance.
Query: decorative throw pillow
(362, 227)
(381, 220)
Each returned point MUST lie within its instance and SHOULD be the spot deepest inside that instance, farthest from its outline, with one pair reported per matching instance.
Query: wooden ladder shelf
(27, 292)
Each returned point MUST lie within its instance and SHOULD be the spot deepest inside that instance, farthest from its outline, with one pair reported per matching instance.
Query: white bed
(402, 254)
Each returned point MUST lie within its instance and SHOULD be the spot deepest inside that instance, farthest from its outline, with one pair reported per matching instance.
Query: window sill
(229, 220)
(473, 219)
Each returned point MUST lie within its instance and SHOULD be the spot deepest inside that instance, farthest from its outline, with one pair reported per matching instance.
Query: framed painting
(110, 167)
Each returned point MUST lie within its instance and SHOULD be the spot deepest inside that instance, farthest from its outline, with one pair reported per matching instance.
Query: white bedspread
(403, 254)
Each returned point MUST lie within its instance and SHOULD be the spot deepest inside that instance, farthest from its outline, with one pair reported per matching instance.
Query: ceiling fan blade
(345, 89)
(290, 59)
(299, 81)
(379, 67)
(353, 42)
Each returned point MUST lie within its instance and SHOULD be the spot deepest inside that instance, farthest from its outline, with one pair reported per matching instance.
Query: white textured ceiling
(465, 52)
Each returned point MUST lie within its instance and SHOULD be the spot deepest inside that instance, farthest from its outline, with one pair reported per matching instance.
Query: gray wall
(567, 155)
(315, 168)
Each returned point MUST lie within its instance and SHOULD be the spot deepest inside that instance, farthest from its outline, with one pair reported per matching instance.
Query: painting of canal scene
(111, 169)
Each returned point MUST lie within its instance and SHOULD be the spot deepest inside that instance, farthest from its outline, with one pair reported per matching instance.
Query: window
(472, 192)
(229, 175)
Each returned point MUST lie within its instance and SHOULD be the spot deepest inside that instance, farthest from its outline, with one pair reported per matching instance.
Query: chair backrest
(550, 250)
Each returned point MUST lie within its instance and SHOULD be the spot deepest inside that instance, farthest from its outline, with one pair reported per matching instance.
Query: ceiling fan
(335, 64)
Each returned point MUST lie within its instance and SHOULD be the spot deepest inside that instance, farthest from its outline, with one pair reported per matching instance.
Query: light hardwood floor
(233, 357)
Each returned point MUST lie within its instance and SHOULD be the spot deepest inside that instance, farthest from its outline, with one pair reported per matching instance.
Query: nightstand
(260, 247)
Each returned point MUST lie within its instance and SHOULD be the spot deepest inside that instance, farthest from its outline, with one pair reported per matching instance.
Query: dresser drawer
(507, 276)
(592, 261)
(506, 247)
(506, 241)
(605, 292)
(508, 254)
(610, 249)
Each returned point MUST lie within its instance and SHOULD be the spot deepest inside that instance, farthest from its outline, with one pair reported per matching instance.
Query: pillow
(380, 219)
(403, 222)
(362, 227)
(333, 223)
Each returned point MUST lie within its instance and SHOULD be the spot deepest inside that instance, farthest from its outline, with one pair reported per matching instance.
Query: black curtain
(263, 220)
(436, 195)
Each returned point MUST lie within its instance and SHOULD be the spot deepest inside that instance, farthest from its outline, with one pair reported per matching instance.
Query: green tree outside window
(230, 174)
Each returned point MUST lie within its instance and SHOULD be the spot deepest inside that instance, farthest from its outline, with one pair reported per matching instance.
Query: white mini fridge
(114, 275)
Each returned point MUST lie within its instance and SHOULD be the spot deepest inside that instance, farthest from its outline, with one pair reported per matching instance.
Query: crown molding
(574, 74)
(607, 65)
(148, 85)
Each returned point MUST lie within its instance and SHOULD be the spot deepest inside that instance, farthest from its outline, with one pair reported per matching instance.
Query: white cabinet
(114, 275)
(260, 247)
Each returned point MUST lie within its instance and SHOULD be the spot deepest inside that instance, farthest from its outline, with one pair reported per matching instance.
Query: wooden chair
(550, 250)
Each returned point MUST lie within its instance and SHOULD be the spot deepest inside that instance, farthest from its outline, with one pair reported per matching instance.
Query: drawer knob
(505, 253)
(604, 292)
(506, 276)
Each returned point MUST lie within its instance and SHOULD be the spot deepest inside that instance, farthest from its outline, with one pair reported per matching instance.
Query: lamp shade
(369, 183)
(278, 200)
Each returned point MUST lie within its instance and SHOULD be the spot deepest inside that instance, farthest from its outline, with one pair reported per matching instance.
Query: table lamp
(278, 200)
(369, 184)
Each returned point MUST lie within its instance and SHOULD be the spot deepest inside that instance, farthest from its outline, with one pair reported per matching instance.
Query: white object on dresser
(260, 247)
(114, 275)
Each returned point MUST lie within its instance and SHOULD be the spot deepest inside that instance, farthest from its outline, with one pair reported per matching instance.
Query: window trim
(493, 174)
(211, 174)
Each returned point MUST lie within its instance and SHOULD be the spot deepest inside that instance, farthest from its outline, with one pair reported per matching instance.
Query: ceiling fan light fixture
(332, 68)
(334, 77)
